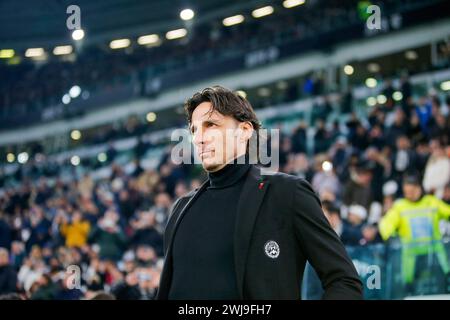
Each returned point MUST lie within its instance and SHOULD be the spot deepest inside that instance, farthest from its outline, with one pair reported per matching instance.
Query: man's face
(354, 219)
(412, 192)
(402, 143)
(436, 149)
(365, 177)
(218, 139)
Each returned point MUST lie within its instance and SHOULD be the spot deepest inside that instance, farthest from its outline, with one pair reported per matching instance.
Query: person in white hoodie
(437, 170)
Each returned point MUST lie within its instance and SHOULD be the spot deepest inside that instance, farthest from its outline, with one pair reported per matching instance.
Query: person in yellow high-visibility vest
(415, 219)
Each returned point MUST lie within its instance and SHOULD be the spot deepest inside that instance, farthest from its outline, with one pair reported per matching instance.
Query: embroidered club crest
(272, 249)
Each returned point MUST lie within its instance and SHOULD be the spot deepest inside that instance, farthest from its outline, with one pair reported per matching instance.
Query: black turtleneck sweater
(203, 260)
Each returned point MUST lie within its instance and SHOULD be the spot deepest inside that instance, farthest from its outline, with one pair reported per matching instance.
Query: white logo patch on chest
(272, 249)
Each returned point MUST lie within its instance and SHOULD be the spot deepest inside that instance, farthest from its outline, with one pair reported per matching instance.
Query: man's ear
(245, 131)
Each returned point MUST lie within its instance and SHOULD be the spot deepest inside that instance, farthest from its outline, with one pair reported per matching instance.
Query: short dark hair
(412, 178)
(331, 208)
(224, 101)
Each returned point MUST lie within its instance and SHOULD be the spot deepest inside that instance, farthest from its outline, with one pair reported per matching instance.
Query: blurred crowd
(111, 229)
(22, 90)
(109, 232)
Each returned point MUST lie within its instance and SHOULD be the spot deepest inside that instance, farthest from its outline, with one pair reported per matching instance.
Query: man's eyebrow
(207, 121)
(215, 121)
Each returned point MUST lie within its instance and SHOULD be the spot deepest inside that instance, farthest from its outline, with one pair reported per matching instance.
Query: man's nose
(198, 137)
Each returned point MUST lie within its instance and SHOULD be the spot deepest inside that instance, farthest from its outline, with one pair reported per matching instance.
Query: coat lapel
(250, 201)
(183, 211)
(166, 273)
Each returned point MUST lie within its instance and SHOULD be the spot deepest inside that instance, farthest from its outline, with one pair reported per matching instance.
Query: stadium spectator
(76, 230)
(358, 189)
(8, 277)
(354, 231)
(333, 215)
(109, 237)
(437, 170)
(416, 220)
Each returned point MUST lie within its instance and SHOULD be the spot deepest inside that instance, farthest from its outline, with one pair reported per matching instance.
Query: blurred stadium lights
(34, 52)
(411, 55)
(445, 86)
(233, 20)
(262, 12)
(102, 157)
(62, 50)
(397, 95)
(381, 99)
(292, 3)
(187, 14)
(75, 135)
(241, 93)
(78, 34)
(371, 82)
(10, 157)
(148, 39)
(75, 160)
(74, 91)
(22, 157)
(6, 53)
(327, 166)
(151, 117)
(371, 101)
(176, 34)
(348, 70)
(119, 43)
(66, 99)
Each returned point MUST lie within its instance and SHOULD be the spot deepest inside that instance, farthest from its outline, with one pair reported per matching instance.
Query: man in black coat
(245, 234)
